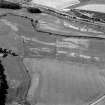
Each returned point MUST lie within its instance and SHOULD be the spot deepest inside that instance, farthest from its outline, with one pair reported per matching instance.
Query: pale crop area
(58, 4)
(93, 7)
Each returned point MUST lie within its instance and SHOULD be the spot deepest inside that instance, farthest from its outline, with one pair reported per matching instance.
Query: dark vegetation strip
(3, 85)
(34, 10)
(8, 5)
(6, 52)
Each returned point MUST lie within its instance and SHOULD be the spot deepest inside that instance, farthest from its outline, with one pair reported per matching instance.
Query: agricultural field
(48, 59)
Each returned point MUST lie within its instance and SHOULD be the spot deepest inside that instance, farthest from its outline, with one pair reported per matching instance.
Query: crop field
(49, 63)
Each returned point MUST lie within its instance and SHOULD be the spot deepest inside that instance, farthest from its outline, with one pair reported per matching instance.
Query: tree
(3, 85)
